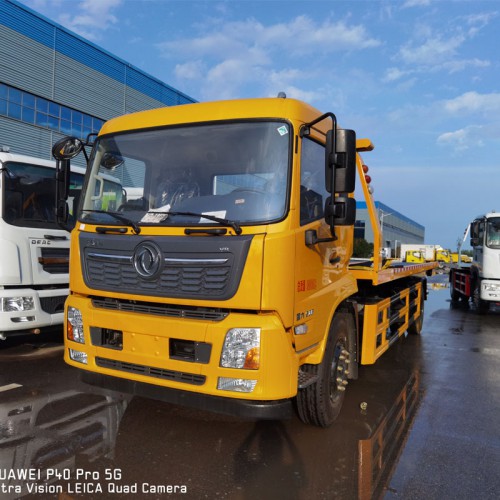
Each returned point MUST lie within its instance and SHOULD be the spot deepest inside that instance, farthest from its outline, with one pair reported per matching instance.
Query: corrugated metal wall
(41, 57)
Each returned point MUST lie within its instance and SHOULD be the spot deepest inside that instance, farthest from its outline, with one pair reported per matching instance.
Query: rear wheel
(320, 403)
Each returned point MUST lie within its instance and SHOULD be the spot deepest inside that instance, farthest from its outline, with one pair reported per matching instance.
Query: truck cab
(485, 266)
(35, 250)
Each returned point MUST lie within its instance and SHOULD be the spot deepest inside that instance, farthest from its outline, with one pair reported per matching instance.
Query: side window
(312, 181)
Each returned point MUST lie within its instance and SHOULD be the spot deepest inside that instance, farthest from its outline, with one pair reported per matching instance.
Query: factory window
(35, 110)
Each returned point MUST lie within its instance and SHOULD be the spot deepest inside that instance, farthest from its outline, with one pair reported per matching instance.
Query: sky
(420, 78)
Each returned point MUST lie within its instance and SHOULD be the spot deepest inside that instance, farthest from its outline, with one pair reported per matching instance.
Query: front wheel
(320, 403)
(481, 305)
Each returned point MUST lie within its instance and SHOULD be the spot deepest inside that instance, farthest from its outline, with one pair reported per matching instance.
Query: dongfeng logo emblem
(147, 260)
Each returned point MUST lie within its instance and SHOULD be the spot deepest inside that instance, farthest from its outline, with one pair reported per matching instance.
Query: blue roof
(362, 205)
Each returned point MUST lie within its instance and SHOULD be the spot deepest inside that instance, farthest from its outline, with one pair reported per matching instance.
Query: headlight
(74, 325)
(241, 349)
(491, 287)
(14, 304)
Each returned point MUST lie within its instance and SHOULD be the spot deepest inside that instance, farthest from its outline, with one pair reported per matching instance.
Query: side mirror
(67, 148)
(63, 150)
(474, 242)
(340, 164)
(340, 211)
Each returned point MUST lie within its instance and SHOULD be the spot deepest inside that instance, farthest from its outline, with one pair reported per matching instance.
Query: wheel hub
(340, 371)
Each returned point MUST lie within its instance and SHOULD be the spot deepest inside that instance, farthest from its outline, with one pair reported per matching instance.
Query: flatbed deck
(389, 271)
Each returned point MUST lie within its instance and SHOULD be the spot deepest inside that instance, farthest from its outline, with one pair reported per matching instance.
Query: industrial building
(397, 229)
(55, 83)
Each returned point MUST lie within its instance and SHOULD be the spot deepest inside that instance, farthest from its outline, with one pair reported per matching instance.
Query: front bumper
(490, 290)
(144, 363)
(261, 410)
(47, 310)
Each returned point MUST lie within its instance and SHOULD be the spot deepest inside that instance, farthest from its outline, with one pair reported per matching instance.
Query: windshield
(231, 171)
(493, 232)
(29, 197)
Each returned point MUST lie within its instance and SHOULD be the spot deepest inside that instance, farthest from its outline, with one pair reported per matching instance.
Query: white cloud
(463, 139)
(236, 55)
(91, 17)
(473, 102)
(192, 70)
(301, 34)
(416, 3)
(433, 51)
(394, 74)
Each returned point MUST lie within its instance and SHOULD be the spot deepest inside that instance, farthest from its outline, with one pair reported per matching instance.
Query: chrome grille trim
(109, 257)
(195, 261)
(168, 310)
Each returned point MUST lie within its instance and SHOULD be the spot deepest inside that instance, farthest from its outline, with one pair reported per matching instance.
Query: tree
(362, 248)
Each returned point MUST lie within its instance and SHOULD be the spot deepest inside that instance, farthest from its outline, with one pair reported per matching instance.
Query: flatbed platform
(364, 269)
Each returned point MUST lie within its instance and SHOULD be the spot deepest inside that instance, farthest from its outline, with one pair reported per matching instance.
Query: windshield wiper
(128, 222)
(225, 222)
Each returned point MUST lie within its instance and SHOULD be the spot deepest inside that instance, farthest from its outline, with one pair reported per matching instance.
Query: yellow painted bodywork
(386, 320)
(285, 283)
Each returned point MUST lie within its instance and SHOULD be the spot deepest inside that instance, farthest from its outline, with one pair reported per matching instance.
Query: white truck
(480, 280)
(34, 249)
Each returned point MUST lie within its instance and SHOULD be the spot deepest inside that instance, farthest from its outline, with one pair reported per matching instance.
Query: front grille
(178, 267)
(149, 371)
(53, 305)
(170, 310)
(55, 260)
(173, 279)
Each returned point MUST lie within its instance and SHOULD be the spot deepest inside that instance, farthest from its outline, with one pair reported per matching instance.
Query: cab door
(320, 269)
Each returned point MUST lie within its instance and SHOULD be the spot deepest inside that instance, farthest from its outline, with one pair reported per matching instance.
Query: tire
(320, 403)
(482, 306)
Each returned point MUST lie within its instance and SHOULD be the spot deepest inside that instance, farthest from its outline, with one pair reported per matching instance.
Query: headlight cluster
(15, 304)
(74, 325)
(491, 287)
(241, 349)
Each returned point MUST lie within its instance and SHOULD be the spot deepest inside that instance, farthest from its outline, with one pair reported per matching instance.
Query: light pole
(382, 215)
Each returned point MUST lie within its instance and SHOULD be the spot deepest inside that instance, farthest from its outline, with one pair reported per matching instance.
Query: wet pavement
(421, 423)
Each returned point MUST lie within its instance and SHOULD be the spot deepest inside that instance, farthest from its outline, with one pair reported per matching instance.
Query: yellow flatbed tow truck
(229, 285)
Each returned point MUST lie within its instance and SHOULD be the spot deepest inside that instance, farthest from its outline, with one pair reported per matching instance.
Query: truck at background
(34, 260)
(229, 285)
(429, 253)
(34, 264)
(479, 281)
(457, 257)
(415, 256)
